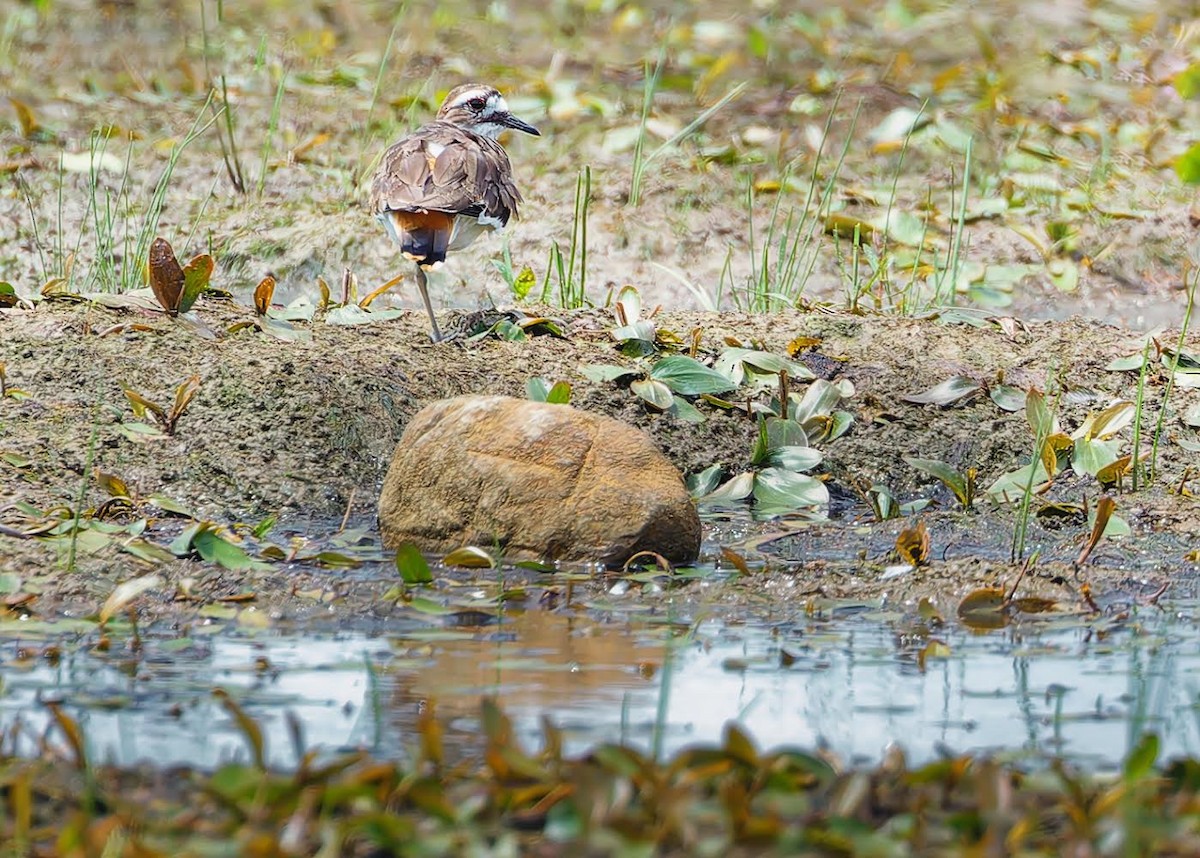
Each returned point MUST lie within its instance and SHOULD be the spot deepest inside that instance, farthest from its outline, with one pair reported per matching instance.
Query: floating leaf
(983, 609)
(736, 489)
(412, 566)
(778, 491)
(947, 392)
(470, 557)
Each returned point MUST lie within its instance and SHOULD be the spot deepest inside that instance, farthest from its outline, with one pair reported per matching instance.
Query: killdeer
(441, 186)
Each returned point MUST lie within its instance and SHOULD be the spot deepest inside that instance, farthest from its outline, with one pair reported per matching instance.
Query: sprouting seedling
(175, 287)
(167, 418)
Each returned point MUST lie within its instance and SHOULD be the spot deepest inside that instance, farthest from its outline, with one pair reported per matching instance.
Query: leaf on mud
(947, 392)
(125, 593)
(412, 566)
(959, 484)
(606, 372)
(689, 377)
(1108, 422)
(540, 390)
(166, 275)
(1089, 456)
(196, 276)
(111, 484)
(1007, 398)
(912, 545)
(983, 609)
(1101, 519)
(352, 314)
(1011, 486)
(214, 548)
(655, 393)
(470, 557)
(263, 293)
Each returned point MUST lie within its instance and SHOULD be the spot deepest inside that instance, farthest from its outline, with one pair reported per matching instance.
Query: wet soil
(304, 431)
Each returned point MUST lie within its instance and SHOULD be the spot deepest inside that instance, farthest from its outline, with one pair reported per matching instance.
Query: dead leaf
(166, 275)
(912, 545)
(263, 292)
(1104, 510)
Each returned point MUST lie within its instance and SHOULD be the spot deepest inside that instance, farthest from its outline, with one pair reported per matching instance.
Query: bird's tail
(423, 237)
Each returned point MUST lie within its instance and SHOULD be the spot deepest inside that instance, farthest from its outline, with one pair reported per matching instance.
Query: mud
(304, 431)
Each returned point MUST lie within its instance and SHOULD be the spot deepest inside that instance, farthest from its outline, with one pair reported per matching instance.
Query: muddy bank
(303, 430)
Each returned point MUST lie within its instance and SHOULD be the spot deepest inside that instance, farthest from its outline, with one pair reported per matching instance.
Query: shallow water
(849, 679)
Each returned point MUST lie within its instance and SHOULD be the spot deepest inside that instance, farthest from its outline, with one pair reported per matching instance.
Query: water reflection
(853, 684)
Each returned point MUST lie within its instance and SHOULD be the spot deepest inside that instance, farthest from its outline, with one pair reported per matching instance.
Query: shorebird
(443, 185)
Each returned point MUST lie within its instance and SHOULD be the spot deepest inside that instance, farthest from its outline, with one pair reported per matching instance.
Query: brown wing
(445, 168)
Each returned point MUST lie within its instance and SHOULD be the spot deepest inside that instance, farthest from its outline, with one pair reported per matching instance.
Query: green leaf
(196, 275)
(689, 377)
(736, 489)
(606, 372)
(685, 411)
(216, 549)
(657, 394)
(947, 392)
(524, 283)
(537, 389)
(951, 478)
(1011, 487)
(560, 393)
(1187, 82)
(411, 565)
(1140, 761)
(794, 458)
(1037, 414)
(704, 482)
(1090, 456)
(778, 491)
(1187, 165)
(1007, 397)
(818, 401)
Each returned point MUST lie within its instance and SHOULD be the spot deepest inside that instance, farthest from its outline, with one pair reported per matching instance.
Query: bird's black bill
(511, 121)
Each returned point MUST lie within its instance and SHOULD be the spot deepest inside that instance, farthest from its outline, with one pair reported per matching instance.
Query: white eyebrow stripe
(467, 96)
(499, 104)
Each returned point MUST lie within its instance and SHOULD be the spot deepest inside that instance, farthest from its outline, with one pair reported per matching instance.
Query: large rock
(542, 481)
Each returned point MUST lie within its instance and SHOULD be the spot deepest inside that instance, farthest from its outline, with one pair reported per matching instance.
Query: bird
(440, 187)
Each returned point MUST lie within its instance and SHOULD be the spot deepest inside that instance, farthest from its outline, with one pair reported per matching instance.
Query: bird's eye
(477, 103)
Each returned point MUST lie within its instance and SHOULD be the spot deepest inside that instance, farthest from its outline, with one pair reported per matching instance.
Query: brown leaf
(735, 560)
(29, 123)
(166, 275)
(1104, 510)
(263, 292)
(912, 545)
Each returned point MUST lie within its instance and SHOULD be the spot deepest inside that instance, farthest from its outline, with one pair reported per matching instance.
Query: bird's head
(481, 109)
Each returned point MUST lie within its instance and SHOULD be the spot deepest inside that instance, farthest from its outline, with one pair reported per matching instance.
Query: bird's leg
(423, 285)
